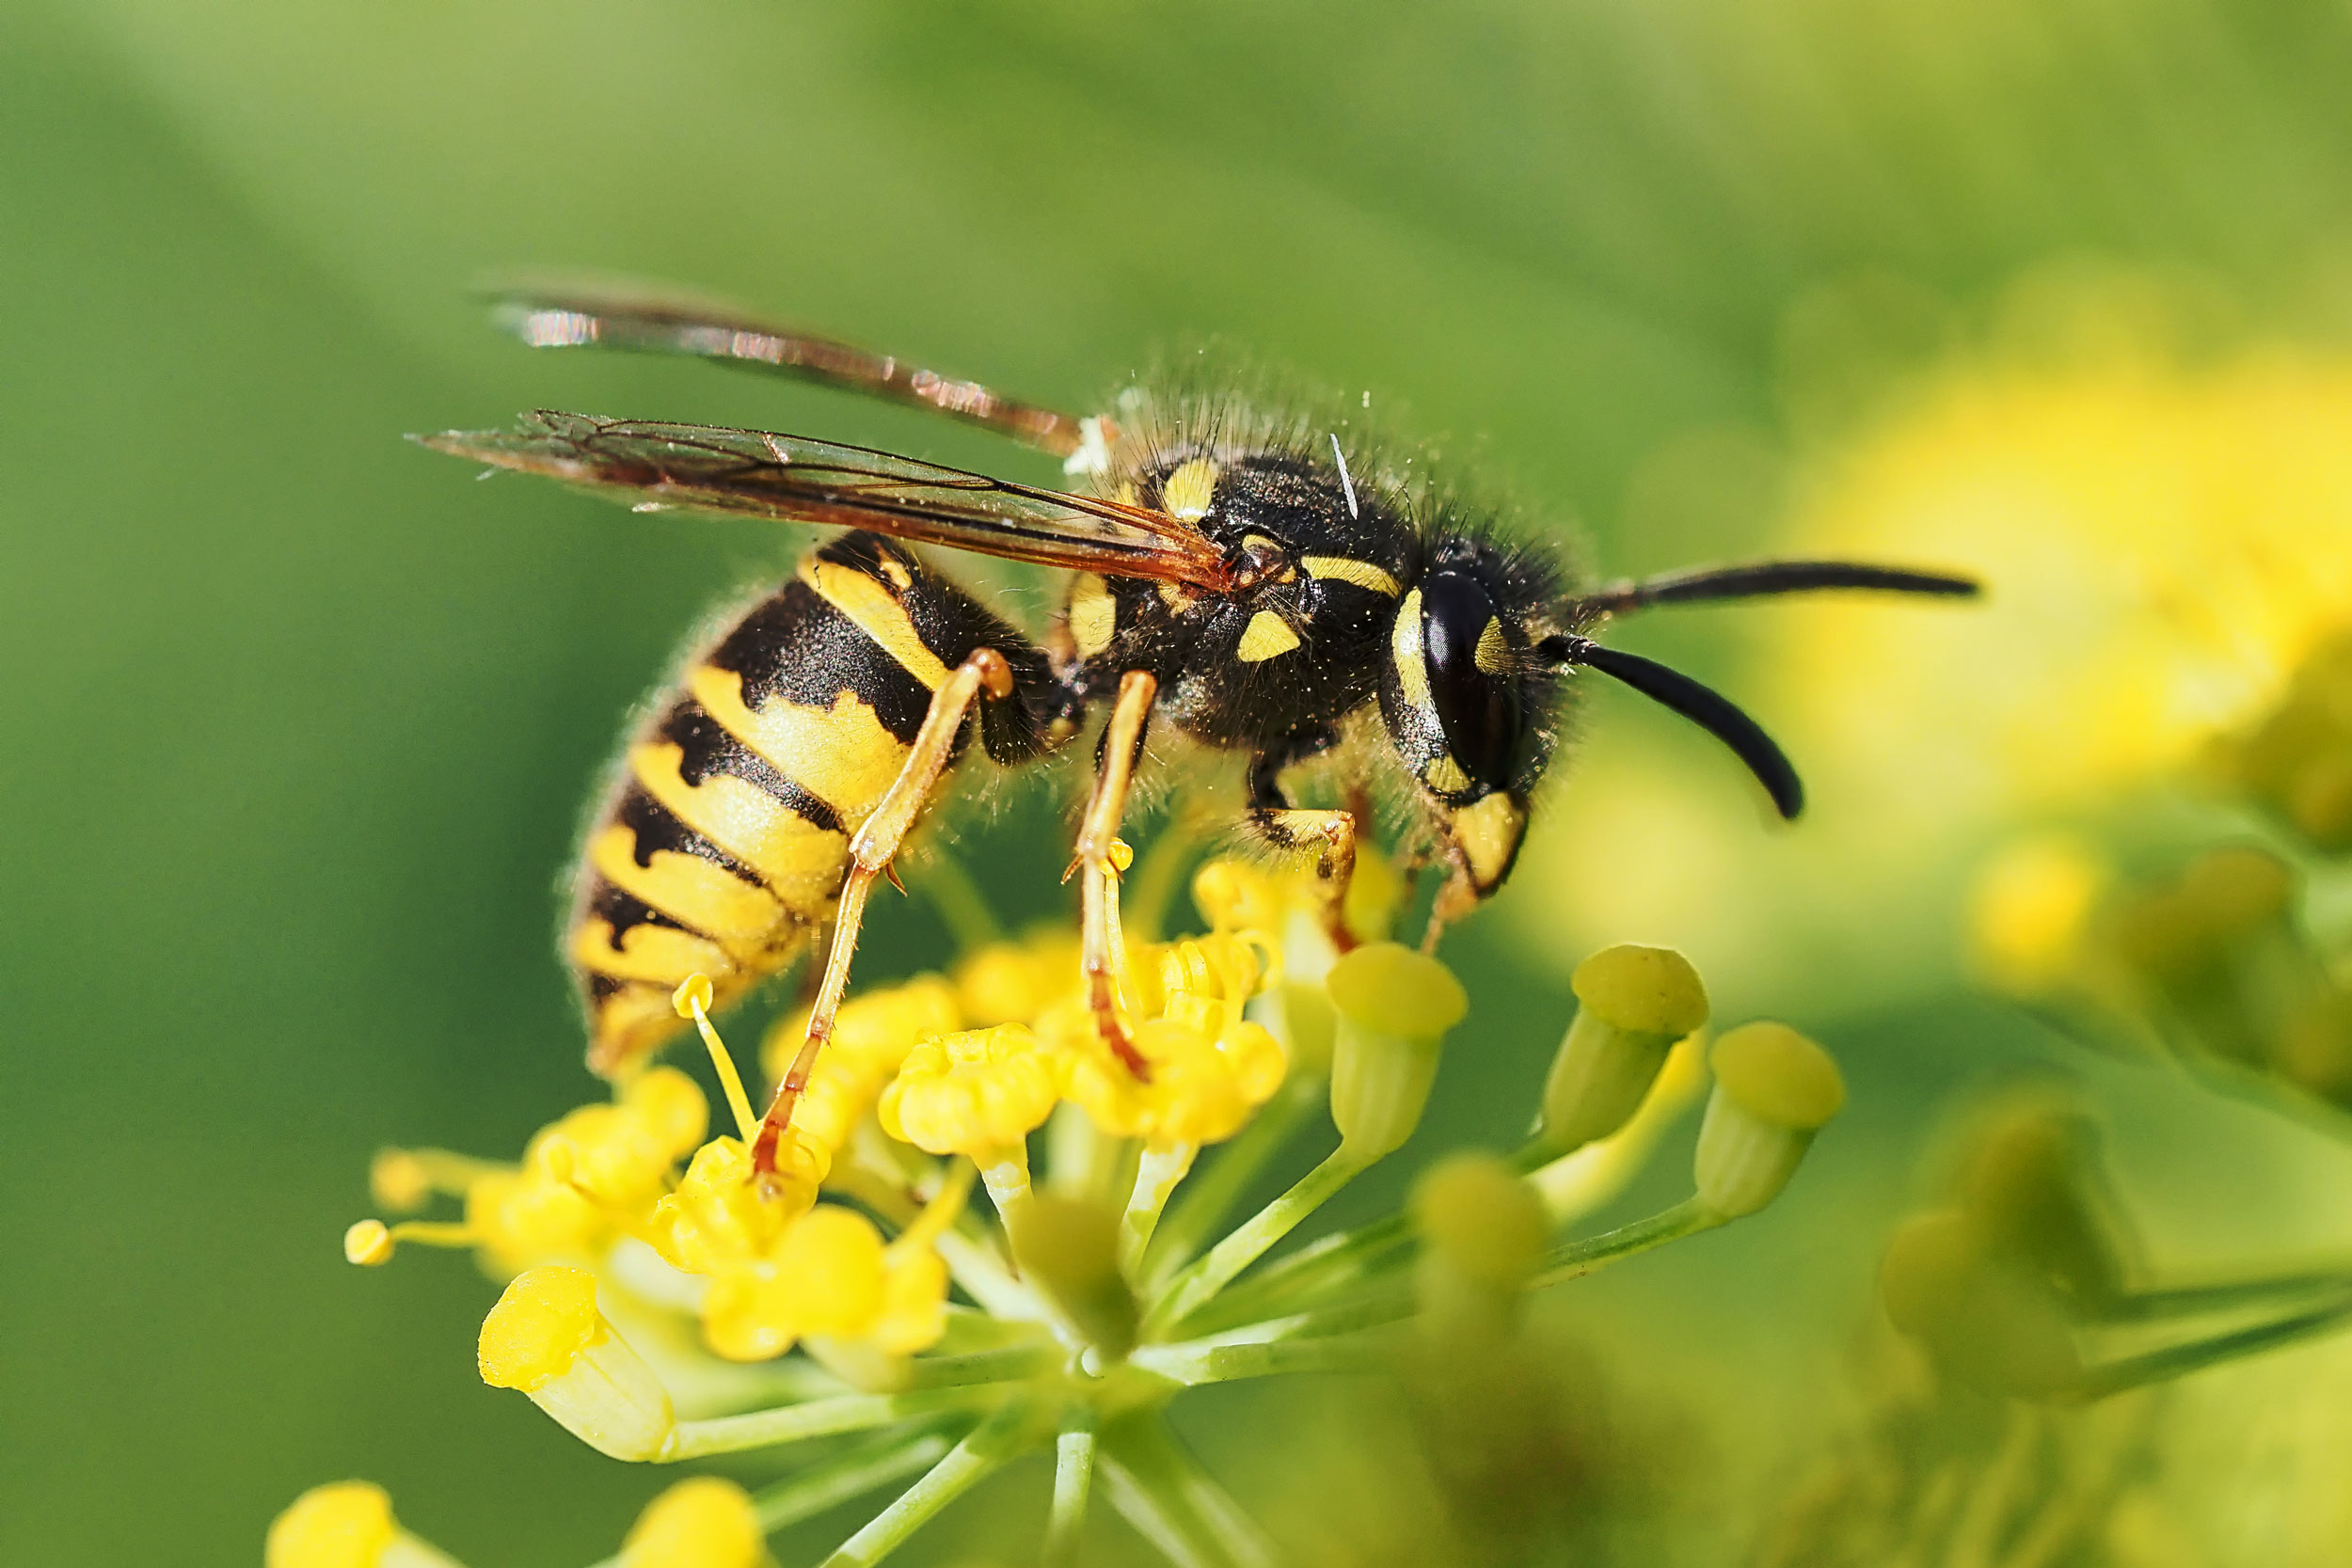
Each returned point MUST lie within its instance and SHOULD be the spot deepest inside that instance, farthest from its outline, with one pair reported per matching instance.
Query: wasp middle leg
(1332, 833)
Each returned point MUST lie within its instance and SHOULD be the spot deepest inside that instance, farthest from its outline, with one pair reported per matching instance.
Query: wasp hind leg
(1100, 860)
(986, 671)
(1331, 833)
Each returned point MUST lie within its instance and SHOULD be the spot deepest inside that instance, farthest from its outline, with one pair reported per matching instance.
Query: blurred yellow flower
(2165, 537)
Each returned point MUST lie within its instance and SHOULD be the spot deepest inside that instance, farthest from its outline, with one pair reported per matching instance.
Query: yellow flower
(348, 1524)
(870, 1040)
(702, 1522)
(976, 1093)
(2031, 907)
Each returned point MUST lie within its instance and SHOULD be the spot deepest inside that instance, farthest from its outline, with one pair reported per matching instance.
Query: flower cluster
(661, 1305)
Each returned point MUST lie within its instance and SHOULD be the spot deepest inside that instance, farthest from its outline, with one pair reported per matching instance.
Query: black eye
(1478, 705)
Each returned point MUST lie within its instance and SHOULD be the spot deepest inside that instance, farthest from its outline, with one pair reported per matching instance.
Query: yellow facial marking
(801, 863)
(840, 755)
(1363, 573)
(1267, 636)
(1093, 614)
(1488, 832)
(1445, 776)
(661, 954)
(1185, 496)
(878, 614)
(1491, 650)
(1413, 672)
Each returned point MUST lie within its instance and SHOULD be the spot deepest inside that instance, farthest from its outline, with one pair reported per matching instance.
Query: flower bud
(1774, 1090)
(1634, 1004)
(1985, 1322)
(546, 1337)
(1069, 1248)
(1483, 1218)
(2031, 1178)
(1394, 1007)
(346, 1524)
(705, 1522)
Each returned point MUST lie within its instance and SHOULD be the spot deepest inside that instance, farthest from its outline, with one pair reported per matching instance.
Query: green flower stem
(1010, 1364)
(1182, 1508)
(2173, 1361)
(1574, 1260)
(1323, 1267)
(1157, 1174)
(790, 1423)
(962, 906)
(1074, 1480)
(989, 1445)
(827, 1486)
(1209, 1197)
(1197, 1362)
(1332, 1263)
(1269, 1224)
(983, 1276)
(2219, 1296)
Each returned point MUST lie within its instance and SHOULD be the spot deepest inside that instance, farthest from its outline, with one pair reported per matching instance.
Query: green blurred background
(300, 718)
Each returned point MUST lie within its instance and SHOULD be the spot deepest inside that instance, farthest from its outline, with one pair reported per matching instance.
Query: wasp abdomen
(723, 843)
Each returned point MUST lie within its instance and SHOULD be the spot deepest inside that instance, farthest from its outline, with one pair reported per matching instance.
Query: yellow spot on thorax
(1267, 636)
(1093, 614)
(1363, 573)
(1491, 650)
(1187, 493)
(1488, 833)
(878, 614)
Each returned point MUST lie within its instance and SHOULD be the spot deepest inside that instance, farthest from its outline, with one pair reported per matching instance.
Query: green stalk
(989, 1445)
(963, 908)
(1157, 1173)
(1236, 1252)
(790, 1423)
(1184, 1511)
(1074, 1480)
(1010, 1364)
(2219, 1296)
(1211, 1195)
(2179, 1360)
(1574, 1260)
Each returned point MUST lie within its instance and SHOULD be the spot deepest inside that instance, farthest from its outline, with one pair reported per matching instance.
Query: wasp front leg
(986, 671)
(1331, 833)
(1100, 861)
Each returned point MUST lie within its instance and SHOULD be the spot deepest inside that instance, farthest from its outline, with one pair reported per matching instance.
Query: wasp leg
(870, 853)
(1104, 950)
(1332, 832)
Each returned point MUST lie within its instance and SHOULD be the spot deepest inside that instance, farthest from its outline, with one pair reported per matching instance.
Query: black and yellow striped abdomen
(721, 845)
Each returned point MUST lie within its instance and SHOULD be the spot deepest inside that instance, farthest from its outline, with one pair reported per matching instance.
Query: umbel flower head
(661, 1304)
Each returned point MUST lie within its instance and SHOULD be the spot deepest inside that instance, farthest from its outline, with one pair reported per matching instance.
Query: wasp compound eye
(1471, 678)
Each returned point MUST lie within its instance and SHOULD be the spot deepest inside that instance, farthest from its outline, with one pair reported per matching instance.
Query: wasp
(1243, 579)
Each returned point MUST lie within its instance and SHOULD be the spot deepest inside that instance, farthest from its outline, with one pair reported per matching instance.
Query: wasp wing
(572, 315)
(762, 473)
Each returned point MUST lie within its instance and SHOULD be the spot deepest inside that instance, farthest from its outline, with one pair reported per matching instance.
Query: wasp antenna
(1702, 704)
(1758, 579)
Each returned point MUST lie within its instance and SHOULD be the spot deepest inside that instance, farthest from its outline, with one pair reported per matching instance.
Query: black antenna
(1702, 704)
(1757, 578)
